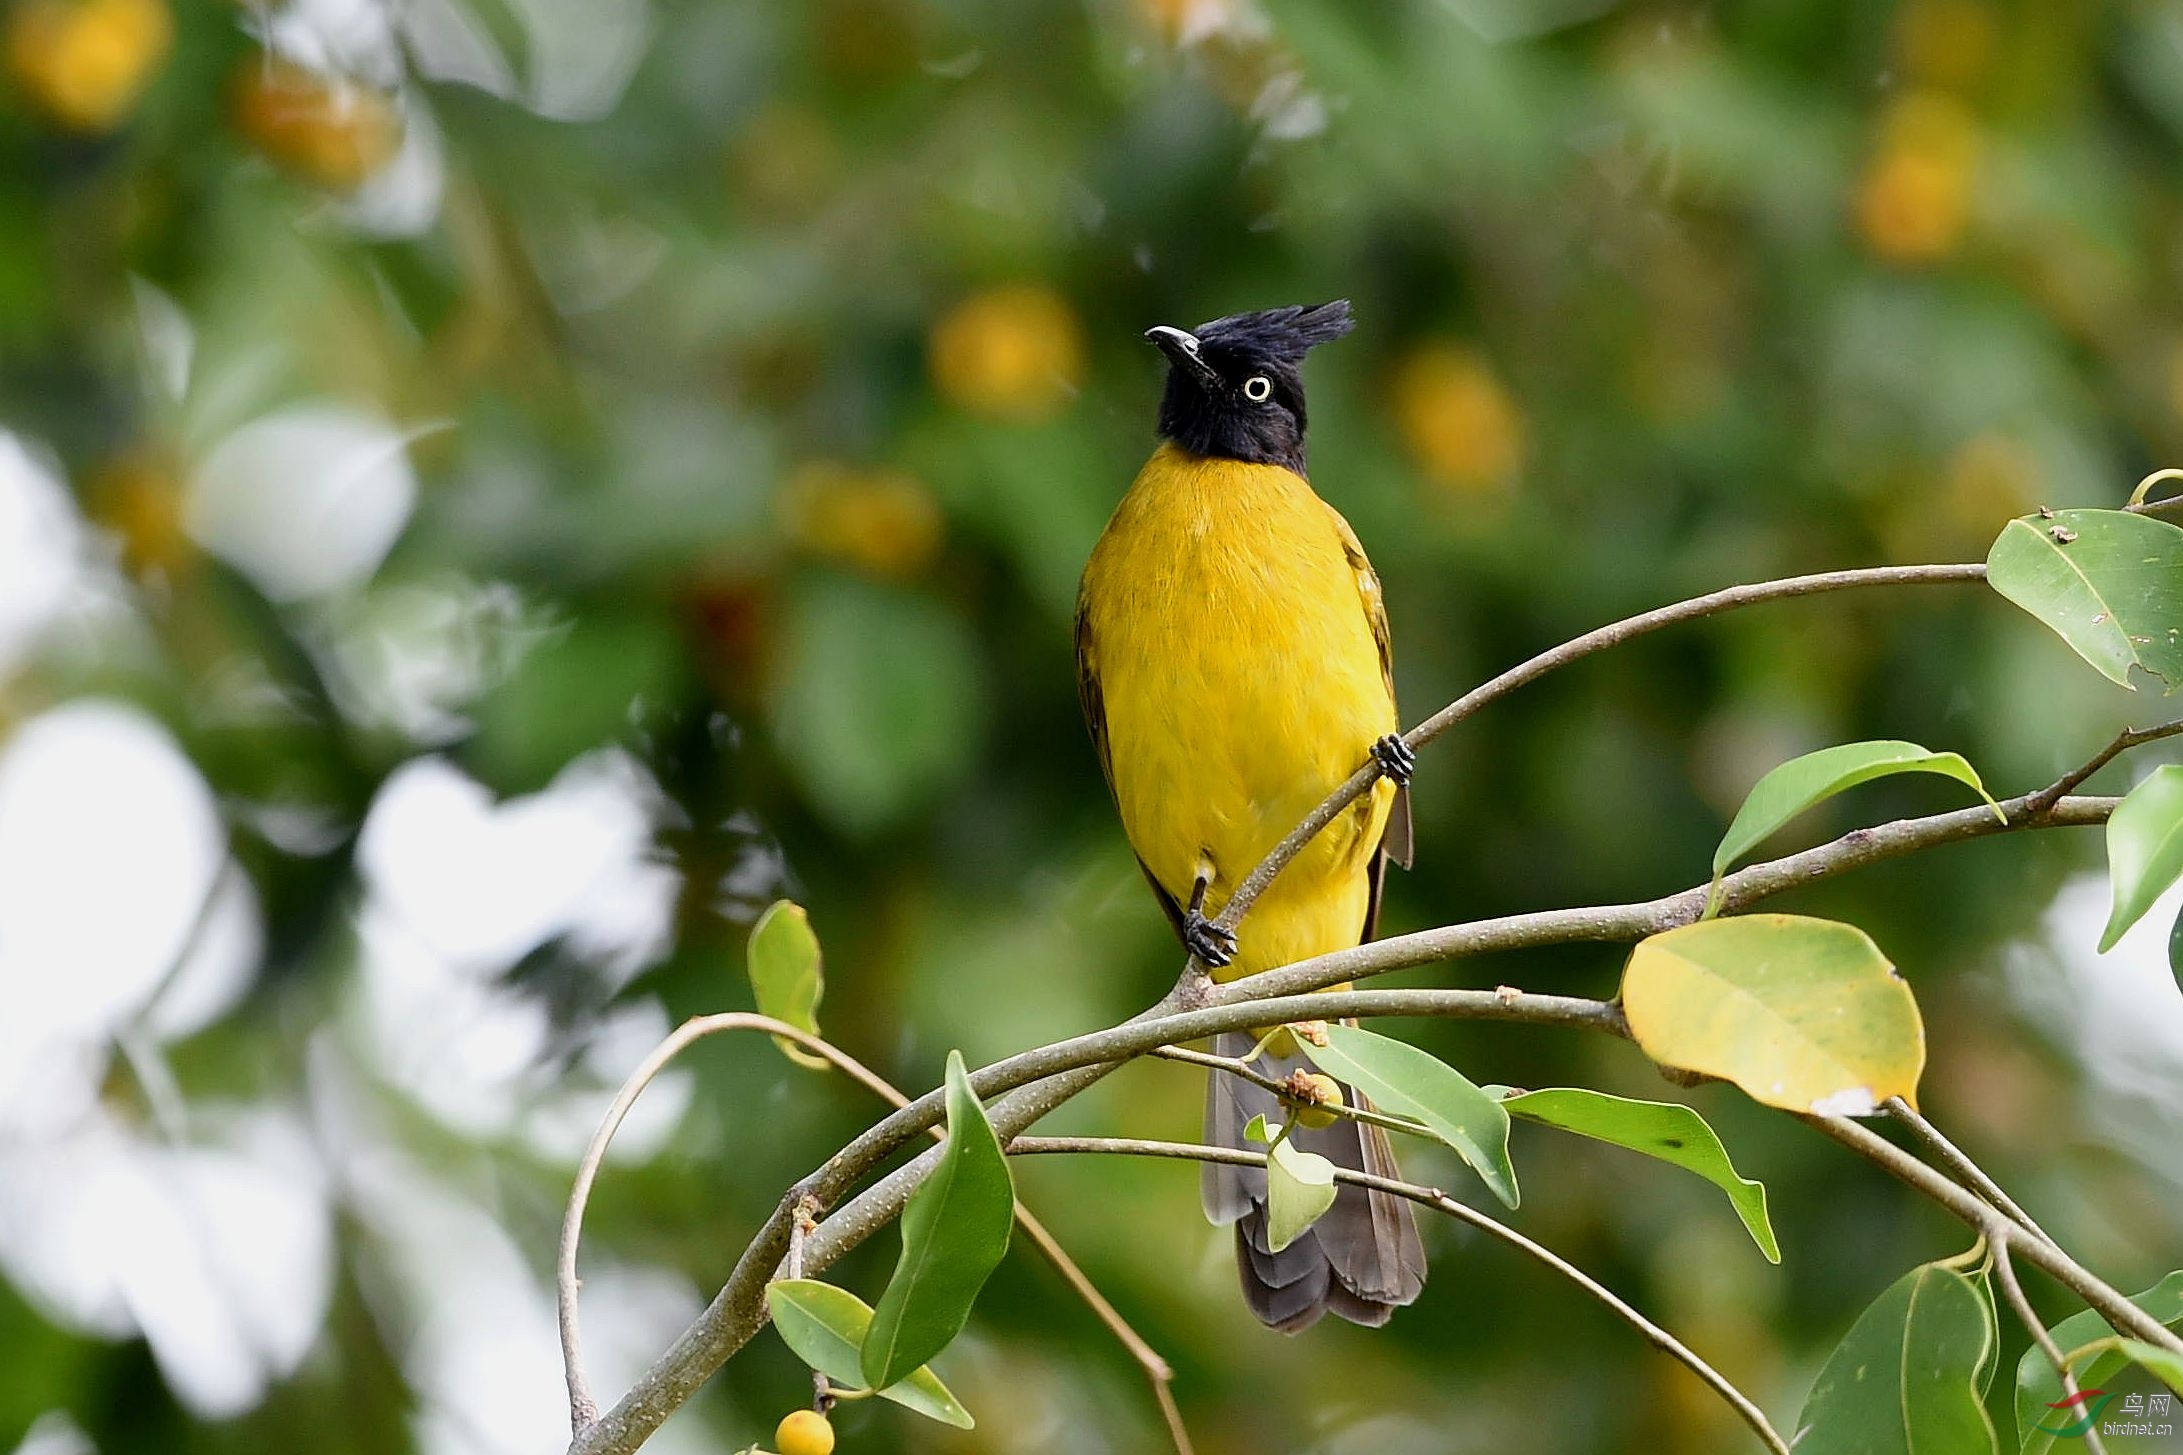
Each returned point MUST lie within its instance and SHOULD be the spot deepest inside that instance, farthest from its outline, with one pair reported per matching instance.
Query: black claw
(1206, 940)
(1395, 759)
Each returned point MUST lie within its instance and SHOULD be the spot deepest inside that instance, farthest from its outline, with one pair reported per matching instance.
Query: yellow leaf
(1804, 1014)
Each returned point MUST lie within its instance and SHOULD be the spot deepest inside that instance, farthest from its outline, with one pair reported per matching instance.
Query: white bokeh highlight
(305, 501)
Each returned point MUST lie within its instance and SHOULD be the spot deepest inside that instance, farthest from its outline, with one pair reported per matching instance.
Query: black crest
(1235, 386)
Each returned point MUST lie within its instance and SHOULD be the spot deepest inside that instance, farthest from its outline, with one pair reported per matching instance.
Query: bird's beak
(1181, 348)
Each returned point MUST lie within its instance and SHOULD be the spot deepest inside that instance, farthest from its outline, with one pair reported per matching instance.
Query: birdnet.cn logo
(2141, 1414)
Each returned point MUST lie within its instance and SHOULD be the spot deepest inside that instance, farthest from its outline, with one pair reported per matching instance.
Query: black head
(1235, 386)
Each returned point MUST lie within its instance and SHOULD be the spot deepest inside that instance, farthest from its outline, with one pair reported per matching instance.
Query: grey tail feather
(1399, 841)
(1360, 1262)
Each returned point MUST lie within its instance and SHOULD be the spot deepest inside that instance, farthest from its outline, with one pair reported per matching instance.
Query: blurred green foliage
(766, 372)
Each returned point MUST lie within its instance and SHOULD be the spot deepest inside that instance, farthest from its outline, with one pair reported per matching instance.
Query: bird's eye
(1258, 388)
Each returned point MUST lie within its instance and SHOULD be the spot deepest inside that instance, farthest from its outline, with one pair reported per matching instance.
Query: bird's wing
(1398, 843)
(1094, 703)
(1368, 592)
(1088, 695)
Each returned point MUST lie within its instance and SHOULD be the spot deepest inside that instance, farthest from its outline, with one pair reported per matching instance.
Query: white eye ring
(1258, 388)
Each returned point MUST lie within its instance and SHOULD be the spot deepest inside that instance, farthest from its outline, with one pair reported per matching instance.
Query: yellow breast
(1226, 620)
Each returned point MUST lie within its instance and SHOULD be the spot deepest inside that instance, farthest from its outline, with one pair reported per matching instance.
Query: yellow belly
(1241, 683)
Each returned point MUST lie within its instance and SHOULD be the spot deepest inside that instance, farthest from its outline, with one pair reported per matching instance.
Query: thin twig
(1062, 1071)
(2109, 1302)
(2005, 1275)
(1157, 1370)
(583, 1408)
(1957, 1161)
(1233, 1066)
(1022, 1088)
(1432, 1197)
(2123, 741)
(1598, 640)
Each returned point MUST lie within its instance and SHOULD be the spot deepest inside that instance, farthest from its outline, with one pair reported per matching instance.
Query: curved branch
(1598, 640)
(1033, 1083)
(583, 1407)
(737, 1311)
(1434, 1198)
(1961, 1167)
(2005, 1275)
(2108, 1301)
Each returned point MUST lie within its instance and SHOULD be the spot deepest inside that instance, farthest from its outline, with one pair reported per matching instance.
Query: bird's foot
(1208, 941)
(1396, 760)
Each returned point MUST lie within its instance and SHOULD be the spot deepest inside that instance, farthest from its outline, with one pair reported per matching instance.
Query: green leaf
(1804, 1014)
(1800, 783)
(2175, 948)
(2036, 1387)
(825, 1325)
(786, 975)
(1666, 1130)
(1905, 1379)
(1299, 1189)
(2144, 849)
(2108, 582)
(954, 1233)
(1404, 1081)
(881, 703)
(576, 689)
(1256, 1130)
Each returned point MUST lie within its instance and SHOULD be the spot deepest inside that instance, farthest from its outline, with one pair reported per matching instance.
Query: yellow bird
(1233, 661)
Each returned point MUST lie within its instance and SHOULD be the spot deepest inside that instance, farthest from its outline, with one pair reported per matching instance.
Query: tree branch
(1029, 1085)
(1967, 1172)
(1598, 640)
(2005, 1275)
(2123, 741)
(1032, 1083)
(2108, 1301)
(584, 1409)
(1432, 1197)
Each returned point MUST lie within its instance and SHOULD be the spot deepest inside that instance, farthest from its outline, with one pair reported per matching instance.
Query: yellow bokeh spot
(84, 63)
(1992, 479)
(1913, 203)
(1947, 43)
(1184, 22)
(1459, 423)
(1013, 352)
(138, 498)
(883, 522)
(324, 128)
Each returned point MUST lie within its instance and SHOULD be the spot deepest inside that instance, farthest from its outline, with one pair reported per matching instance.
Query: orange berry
(804, 1432)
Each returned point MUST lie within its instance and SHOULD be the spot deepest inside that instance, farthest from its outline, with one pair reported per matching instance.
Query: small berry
(805, 1432)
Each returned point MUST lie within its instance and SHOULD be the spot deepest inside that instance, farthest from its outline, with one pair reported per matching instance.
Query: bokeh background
(494, 492)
